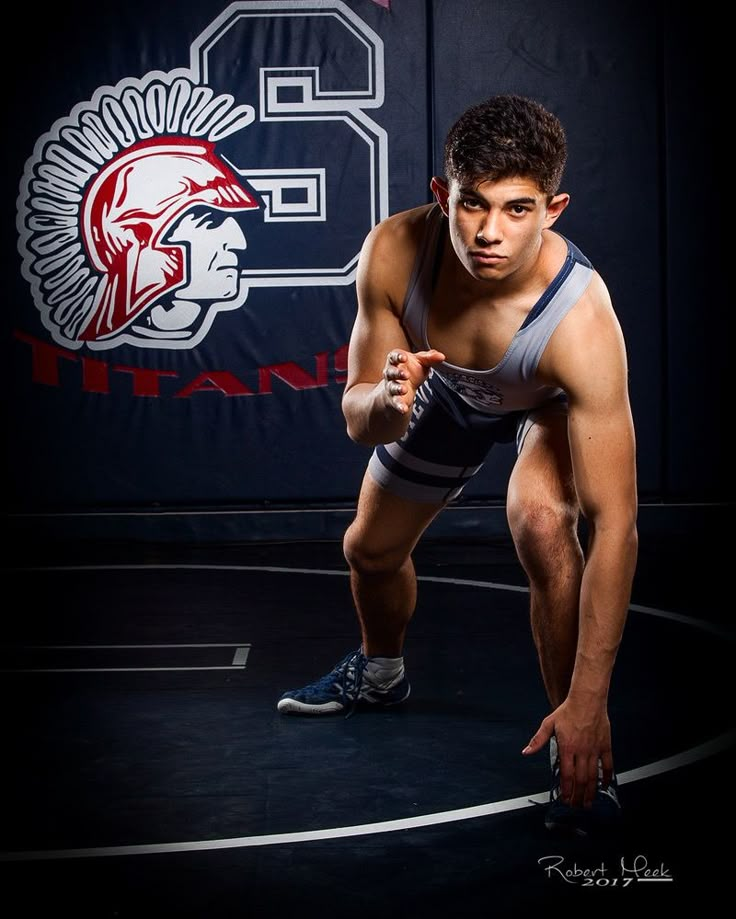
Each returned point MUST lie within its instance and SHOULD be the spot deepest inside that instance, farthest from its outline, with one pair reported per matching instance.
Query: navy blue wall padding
(213, 405)
(697, 321)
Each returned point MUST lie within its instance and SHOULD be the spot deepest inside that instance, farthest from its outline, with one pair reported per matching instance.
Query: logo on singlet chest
(473, 388)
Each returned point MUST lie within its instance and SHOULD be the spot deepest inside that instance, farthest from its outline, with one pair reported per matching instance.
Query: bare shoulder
(403, 229)
(596, 310)
(587, 340)
(593, 317)
(389, 251)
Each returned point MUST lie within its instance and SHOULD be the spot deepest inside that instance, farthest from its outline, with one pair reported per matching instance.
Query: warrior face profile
(213, 241)
(156, 224)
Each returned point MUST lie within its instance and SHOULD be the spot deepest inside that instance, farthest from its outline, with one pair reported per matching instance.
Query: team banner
(189, 240)
(186, 195)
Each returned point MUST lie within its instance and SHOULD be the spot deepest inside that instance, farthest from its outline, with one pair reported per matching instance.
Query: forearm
(604, 601)
(370, 416)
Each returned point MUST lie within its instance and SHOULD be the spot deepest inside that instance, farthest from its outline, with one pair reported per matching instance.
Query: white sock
(384, 671)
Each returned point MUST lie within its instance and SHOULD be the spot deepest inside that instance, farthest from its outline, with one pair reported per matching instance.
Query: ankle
(384, 670)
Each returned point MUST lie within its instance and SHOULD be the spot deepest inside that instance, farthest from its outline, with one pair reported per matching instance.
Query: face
(496, 226)
(214, 244)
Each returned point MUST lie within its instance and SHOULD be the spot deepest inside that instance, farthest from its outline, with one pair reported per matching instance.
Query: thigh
(387, 523)
(543, 469)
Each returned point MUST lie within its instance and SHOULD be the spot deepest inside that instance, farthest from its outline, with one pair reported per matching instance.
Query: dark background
(640, 91)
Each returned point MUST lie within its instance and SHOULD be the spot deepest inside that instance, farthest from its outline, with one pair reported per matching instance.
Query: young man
(477, 323)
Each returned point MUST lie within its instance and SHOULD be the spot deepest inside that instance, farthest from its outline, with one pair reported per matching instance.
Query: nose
(489, 230)
(233, 236)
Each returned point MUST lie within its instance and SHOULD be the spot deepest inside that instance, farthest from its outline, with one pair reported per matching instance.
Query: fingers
(574, 777)
(404, 372)
(567, 775)
(591, 786)
(396, 360)
(396, 391)
(429, 358)
(578, 778)
(584, 754)
(397, 357)
(541, 738)
(395, 369)
(607, 768)
(586, 780)
(394, 373)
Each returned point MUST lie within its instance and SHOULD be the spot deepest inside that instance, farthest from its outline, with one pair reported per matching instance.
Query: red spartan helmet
(126, 212)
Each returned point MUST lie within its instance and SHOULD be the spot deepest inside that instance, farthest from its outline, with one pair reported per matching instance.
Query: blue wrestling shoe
(343, 689)
(603, 815)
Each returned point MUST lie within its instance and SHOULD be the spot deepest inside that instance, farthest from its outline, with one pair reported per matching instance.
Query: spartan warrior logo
(164, 200)
(138, 217)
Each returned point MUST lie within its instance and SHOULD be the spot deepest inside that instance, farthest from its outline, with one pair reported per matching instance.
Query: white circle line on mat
(694, 754)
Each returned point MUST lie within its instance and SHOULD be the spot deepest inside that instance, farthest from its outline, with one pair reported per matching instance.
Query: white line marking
(109, 669)
(230, 644)
(710, 748)
(686, 758)
(461, 582)
(721, 631)
(238, 662)
(349, 509)
(464, 582)
(241, 657)
(366, 829)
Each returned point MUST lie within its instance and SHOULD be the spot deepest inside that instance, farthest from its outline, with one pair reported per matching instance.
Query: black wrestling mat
(147, 771)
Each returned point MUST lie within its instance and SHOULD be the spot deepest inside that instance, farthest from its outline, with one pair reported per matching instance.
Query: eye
(206, 221)
(471, 204)
(519, 209)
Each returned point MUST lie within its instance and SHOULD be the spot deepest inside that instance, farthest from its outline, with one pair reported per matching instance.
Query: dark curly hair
(507, 136)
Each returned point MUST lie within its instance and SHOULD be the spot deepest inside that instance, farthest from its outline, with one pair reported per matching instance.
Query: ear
(441, 192)
(555, 207)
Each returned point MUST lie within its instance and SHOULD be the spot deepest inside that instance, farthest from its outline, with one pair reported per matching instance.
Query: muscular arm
(383, 373)
(602, 447)
(588, 360)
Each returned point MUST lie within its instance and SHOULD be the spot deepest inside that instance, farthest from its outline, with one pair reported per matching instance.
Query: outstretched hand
(583, 738)
(404, 373)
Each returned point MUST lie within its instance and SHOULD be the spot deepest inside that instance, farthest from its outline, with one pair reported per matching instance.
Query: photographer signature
(626, 872)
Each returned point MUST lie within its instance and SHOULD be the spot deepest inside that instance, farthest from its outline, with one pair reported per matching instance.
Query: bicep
(600, 426)
(377, 328)
(603, 452)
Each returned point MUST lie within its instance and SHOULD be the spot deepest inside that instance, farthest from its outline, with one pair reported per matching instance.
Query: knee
(366, 557)
(544, 532)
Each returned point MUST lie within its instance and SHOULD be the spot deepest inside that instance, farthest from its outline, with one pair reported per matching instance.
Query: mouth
(486, 258)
